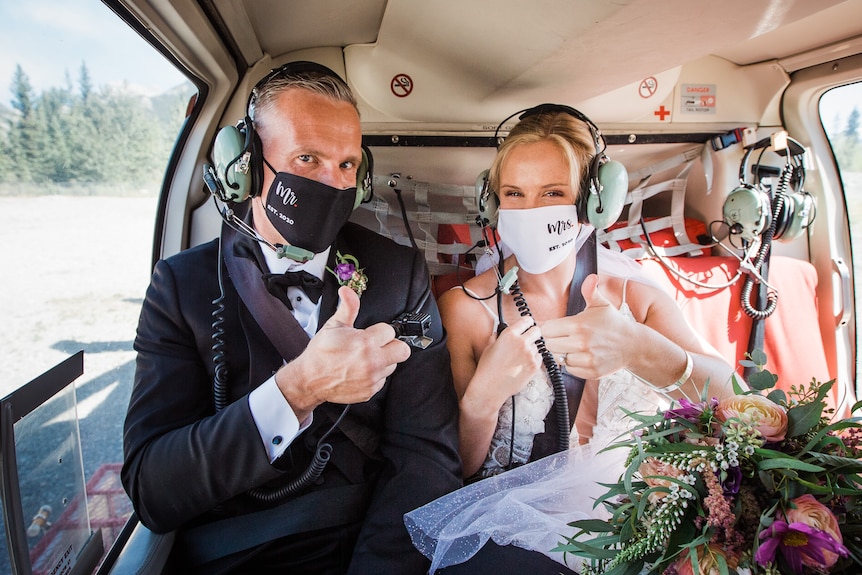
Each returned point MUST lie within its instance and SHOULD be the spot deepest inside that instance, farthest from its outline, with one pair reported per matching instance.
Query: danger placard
(698, 98)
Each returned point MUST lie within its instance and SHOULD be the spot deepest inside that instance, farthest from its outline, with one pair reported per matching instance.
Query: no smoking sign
(401, 85)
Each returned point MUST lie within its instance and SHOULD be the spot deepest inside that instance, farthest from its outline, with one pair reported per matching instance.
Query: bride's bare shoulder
(467, 295)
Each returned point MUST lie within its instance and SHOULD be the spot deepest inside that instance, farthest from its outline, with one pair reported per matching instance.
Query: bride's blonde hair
(569, 134)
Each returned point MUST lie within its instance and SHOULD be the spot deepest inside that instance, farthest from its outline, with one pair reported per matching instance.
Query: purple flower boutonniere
(348, 273)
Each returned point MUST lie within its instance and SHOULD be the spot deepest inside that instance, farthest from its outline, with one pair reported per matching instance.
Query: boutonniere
(348, 273)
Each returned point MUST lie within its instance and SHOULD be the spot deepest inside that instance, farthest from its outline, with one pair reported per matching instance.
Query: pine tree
(25, 137)
(852, 129)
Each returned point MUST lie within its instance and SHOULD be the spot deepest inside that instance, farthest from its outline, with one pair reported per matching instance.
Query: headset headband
(605, 182)
(297, 68)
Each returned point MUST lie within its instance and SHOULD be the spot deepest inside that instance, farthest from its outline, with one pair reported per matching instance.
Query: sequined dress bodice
(532, 404)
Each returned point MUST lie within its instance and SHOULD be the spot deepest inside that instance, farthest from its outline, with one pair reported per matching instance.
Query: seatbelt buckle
(726, 140)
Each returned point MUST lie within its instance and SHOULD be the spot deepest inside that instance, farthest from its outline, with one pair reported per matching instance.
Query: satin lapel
(279, 325)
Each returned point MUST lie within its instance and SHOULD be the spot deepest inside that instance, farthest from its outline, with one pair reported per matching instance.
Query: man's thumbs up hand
(341, 364)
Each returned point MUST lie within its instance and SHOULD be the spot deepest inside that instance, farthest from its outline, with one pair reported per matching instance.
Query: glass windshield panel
(51, 479)
(840, 114)
(89, 114)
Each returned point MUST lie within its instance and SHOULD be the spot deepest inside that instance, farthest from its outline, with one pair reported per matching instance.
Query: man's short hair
(318, 81)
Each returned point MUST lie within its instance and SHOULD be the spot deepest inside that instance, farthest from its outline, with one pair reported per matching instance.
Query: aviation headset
(748, 209)
(238, 154)
(602, 195)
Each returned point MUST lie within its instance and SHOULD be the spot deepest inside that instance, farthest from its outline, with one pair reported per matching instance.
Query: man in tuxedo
(276, 421)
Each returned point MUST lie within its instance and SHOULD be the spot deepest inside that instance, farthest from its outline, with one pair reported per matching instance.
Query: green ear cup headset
(237, 154)
(748, 209)
(602, 197)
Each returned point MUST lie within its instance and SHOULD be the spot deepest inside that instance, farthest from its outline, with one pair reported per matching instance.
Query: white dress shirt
(276, 422)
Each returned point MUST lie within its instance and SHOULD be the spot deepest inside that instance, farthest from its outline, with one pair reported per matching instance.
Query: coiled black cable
(220, 365)
(560, 398)
(322, 453)
(748, 284)
(763, 251)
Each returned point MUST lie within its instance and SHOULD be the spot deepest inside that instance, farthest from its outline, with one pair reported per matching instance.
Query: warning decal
(647, 87)
(698, 98)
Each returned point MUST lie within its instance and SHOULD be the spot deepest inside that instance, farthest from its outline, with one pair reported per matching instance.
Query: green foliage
(703, 485)
(90, 135)
(846, 145)
(852, 128)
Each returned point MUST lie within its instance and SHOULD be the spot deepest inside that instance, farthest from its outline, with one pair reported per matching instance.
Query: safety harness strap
(315, 510)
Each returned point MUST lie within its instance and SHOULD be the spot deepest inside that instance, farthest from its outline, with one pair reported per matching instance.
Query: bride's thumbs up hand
(593, 343)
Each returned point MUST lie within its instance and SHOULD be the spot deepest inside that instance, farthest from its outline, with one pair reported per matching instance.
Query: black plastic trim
(395, 140)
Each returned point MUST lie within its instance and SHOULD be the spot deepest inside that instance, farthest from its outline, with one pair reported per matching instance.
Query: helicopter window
(88, 118)
(840, 113)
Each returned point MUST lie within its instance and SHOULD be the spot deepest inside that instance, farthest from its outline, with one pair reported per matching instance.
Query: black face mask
(306, 213)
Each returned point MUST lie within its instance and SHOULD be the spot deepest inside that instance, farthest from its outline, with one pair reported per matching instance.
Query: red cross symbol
(661, 112)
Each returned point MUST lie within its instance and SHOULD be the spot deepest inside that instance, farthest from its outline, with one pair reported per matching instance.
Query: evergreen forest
(86, 139)
(81, 138)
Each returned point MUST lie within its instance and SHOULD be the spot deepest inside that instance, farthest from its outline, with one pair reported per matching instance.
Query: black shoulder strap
(758, 324)
(547, 443)
(315, 510)
(587, 263)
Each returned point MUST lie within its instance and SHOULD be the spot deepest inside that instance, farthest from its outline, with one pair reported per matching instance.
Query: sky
(49, 38)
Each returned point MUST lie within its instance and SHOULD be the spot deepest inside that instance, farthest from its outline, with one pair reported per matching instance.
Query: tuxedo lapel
(276, 321)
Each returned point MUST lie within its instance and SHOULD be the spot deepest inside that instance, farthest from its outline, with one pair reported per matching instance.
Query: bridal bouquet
(761, 483)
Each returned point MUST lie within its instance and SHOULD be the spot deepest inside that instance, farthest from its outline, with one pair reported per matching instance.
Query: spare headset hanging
(752, 214)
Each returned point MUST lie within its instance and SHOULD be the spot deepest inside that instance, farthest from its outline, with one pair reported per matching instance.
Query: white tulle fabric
(532, 505)
(529, 506)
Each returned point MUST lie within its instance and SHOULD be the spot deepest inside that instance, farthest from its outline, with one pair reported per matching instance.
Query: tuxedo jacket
(186, 464)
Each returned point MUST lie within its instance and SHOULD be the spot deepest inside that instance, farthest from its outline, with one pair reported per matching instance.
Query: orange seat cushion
(792, 343)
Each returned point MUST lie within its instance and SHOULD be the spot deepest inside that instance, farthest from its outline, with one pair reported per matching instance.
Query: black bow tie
(277, 285)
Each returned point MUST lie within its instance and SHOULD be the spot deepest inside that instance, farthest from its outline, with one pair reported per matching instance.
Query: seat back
(792, 339)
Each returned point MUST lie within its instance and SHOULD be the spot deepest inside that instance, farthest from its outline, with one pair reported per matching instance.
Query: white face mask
(541, 238)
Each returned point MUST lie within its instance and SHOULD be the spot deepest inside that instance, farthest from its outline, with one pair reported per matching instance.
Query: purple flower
(344, 272)
(732, 480)
(797, 542)
(348, 273)
(689, 410)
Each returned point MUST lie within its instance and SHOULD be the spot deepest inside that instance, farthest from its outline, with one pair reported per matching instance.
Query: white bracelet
(689, 366)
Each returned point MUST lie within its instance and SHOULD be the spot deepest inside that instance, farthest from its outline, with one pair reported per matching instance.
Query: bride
(512, 354)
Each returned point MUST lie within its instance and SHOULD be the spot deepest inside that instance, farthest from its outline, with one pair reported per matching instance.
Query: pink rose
(813, 513)
(706, 561)
(703, 441)
(649, 469)
(770, 419)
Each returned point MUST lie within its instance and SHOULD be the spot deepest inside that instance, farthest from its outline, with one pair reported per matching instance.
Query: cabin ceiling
(510, 42)
(487, 56)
